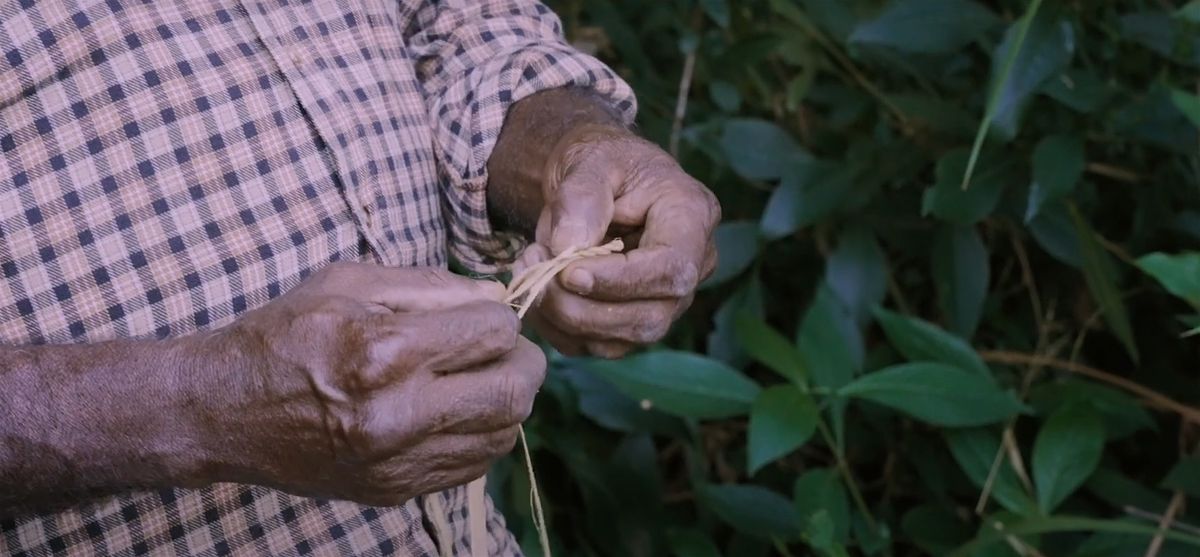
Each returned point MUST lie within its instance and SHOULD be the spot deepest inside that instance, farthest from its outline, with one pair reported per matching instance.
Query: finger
(440, 341)
(406, 289)
(493, 397)
(639, 321)
(644, 273)
(566, 344)
(580, 208)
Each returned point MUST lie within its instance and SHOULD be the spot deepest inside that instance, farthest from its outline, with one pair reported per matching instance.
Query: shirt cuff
(468, 117)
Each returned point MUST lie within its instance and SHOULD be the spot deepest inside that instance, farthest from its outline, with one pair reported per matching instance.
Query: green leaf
(819, 490)
(920, 340)
(1058, 162)
(753, 510)
(937, 393)
(604, 404)
(1053, 230)
(1188, 104)
(770, 348)
(1121, 413)
(809, 192)
(1190, 12)
(718, 10)
(830, 342)
(760, 150)
(722, 341)
(857, 271)
(725, 95)
(961, 272)
(781, 420)
(1102, 282)
(1185, 477)
(975, 450)
(691, 543)
(1048, 48)
(832, 347)
(1052, 524)
(928, 26)
(947, 200)
(1066, 452)
(680, 383)
(737, 244)
(934, 528)
(1009, 51)
(1179, 274)
(1081, 90)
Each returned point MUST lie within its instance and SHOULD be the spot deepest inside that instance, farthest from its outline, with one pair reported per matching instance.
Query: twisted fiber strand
(523, 292)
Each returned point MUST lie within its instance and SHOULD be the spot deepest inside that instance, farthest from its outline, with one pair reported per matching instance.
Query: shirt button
(298, 57)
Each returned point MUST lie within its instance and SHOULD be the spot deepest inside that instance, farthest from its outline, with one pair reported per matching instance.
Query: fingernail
(491, 289)
(580, 281)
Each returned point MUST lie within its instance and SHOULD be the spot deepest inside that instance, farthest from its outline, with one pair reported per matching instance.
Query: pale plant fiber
(523, 292)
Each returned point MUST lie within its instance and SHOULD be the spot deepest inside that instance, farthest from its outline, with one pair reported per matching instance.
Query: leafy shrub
(891, 359)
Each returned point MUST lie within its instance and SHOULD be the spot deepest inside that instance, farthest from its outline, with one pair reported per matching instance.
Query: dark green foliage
(855, 379)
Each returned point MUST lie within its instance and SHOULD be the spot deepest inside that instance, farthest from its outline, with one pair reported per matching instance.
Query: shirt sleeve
(474, 58)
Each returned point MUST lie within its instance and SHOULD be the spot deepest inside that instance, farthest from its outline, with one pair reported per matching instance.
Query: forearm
(83, 420)
(533, 130)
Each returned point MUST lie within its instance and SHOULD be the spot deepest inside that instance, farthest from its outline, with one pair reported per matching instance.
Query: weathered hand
(603, 182)
(371, 384)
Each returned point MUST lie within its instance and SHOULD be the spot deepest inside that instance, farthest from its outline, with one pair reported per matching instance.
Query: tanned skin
(367, 383)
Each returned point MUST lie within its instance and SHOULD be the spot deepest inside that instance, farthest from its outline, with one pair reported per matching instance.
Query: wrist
(535, 130)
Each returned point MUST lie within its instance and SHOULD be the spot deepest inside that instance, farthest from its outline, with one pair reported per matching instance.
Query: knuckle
(500, 443)
(433, 276)
(682, 280)
(566, 312)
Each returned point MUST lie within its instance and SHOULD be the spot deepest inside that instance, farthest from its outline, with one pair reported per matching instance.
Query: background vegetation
(889, 362)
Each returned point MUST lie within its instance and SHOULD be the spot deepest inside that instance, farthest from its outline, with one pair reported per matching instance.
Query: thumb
(580, 210)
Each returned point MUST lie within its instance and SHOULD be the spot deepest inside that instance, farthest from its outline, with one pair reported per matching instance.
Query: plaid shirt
(168, 165)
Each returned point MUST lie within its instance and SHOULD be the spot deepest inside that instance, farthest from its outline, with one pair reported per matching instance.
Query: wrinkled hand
(603, 182)
(372, 384)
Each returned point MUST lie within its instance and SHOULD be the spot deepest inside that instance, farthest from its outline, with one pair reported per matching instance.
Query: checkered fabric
(168, 165)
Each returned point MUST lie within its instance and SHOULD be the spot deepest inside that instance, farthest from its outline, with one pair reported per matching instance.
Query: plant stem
(847, 476)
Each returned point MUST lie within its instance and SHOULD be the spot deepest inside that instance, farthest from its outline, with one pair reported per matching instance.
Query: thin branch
(681, 102)
(1155, 398)
(1014, 457)
(1164, 523)
(1176, 525)
(1114, 172)
(847, 476)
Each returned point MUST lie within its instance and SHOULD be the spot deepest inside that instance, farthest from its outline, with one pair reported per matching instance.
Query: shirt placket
(313, 88)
